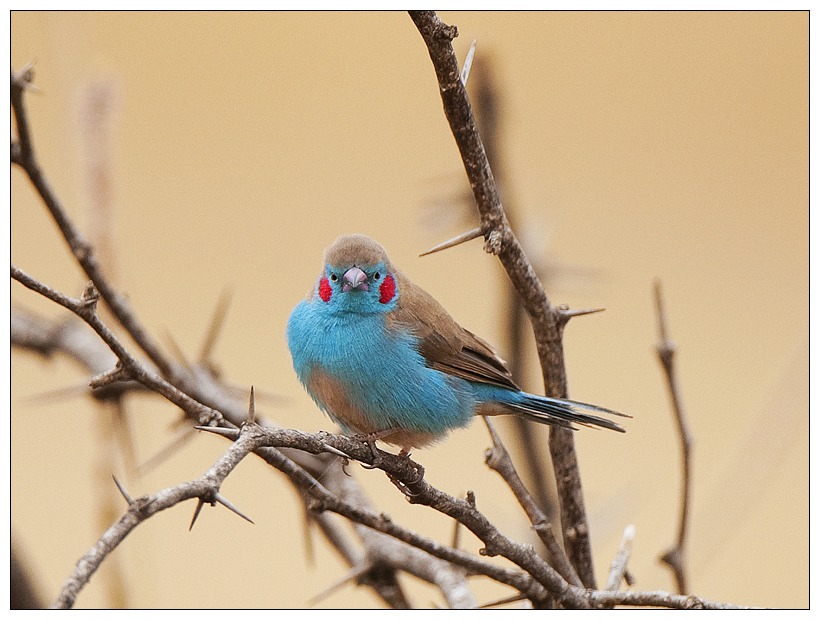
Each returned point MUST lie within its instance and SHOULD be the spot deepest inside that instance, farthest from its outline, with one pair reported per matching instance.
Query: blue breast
(381, 371)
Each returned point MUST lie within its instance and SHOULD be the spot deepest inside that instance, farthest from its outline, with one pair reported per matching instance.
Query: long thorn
(468, 63)
(462, 238)
(252, 407)
(332, 450)
(231, 507)
(199, 504)
(565, 314)
(230, 433)
(123, 491)
(504, 601)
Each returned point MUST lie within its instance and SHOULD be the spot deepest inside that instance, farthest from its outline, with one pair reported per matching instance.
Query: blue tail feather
(556, 411)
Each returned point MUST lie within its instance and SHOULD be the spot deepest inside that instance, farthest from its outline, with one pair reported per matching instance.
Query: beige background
(637, 146)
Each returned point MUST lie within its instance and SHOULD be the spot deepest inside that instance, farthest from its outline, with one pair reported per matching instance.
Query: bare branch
(46, 337)
(385, 551)
(606, 598)
(530, 437)
(675, 556)
(84, 308)
(498, 459)
(500, 240)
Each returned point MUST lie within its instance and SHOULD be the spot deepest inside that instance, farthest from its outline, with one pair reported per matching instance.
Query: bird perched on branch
(386, 361)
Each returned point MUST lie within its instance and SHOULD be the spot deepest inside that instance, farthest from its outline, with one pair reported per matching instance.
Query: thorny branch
(498, 459)
(206, 488)
(675, 557)
(547, 320)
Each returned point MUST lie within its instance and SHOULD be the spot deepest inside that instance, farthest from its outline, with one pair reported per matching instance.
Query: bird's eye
(333, 277)
(377, 276)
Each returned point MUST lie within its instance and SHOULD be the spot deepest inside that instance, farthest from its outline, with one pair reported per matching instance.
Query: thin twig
(205, 488)
(617, 570)
(675, 557)
(498, 459)
(80, 248)
(85, 309)
(500, 240)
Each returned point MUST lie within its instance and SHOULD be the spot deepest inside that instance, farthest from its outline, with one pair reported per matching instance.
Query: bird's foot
(405, 485)
(405, 454)
(370, 440)
(401, 486)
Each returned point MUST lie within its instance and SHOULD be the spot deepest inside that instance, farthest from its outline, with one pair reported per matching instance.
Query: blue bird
(386, 361)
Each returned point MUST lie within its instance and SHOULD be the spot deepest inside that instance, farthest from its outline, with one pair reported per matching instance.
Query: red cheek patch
(387, 290)
(324, 290)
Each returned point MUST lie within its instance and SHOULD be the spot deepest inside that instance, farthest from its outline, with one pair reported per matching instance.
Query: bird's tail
(560, 412)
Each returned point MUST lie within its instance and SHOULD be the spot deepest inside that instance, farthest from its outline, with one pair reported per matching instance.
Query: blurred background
(634, 145)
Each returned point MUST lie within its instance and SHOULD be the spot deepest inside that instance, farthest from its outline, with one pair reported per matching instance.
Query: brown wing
(446, 345)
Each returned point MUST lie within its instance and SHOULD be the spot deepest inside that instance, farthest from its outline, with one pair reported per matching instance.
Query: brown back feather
(446, 345)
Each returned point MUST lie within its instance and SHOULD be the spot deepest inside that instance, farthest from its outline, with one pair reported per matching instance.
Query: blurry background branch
(675, 557)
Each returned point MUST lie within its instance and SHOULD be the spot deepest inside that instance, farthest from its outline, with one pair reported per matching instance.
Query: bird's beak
(354, 279)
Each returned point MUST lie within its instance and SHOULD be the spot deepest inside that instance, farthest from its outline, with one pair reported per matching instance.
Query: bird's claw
(401, 486)
(416, 466)
(370, 440)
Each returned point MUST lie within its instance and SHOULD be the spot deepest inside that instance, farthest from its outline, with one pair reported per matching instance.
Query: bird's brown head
(357, 264)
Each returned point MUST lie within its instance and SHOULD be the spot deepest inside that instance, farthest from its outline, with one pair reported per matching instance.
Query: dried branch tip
(24, 77)
(110, 376)
(457, 240)
(662, 334)
(617, 570)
